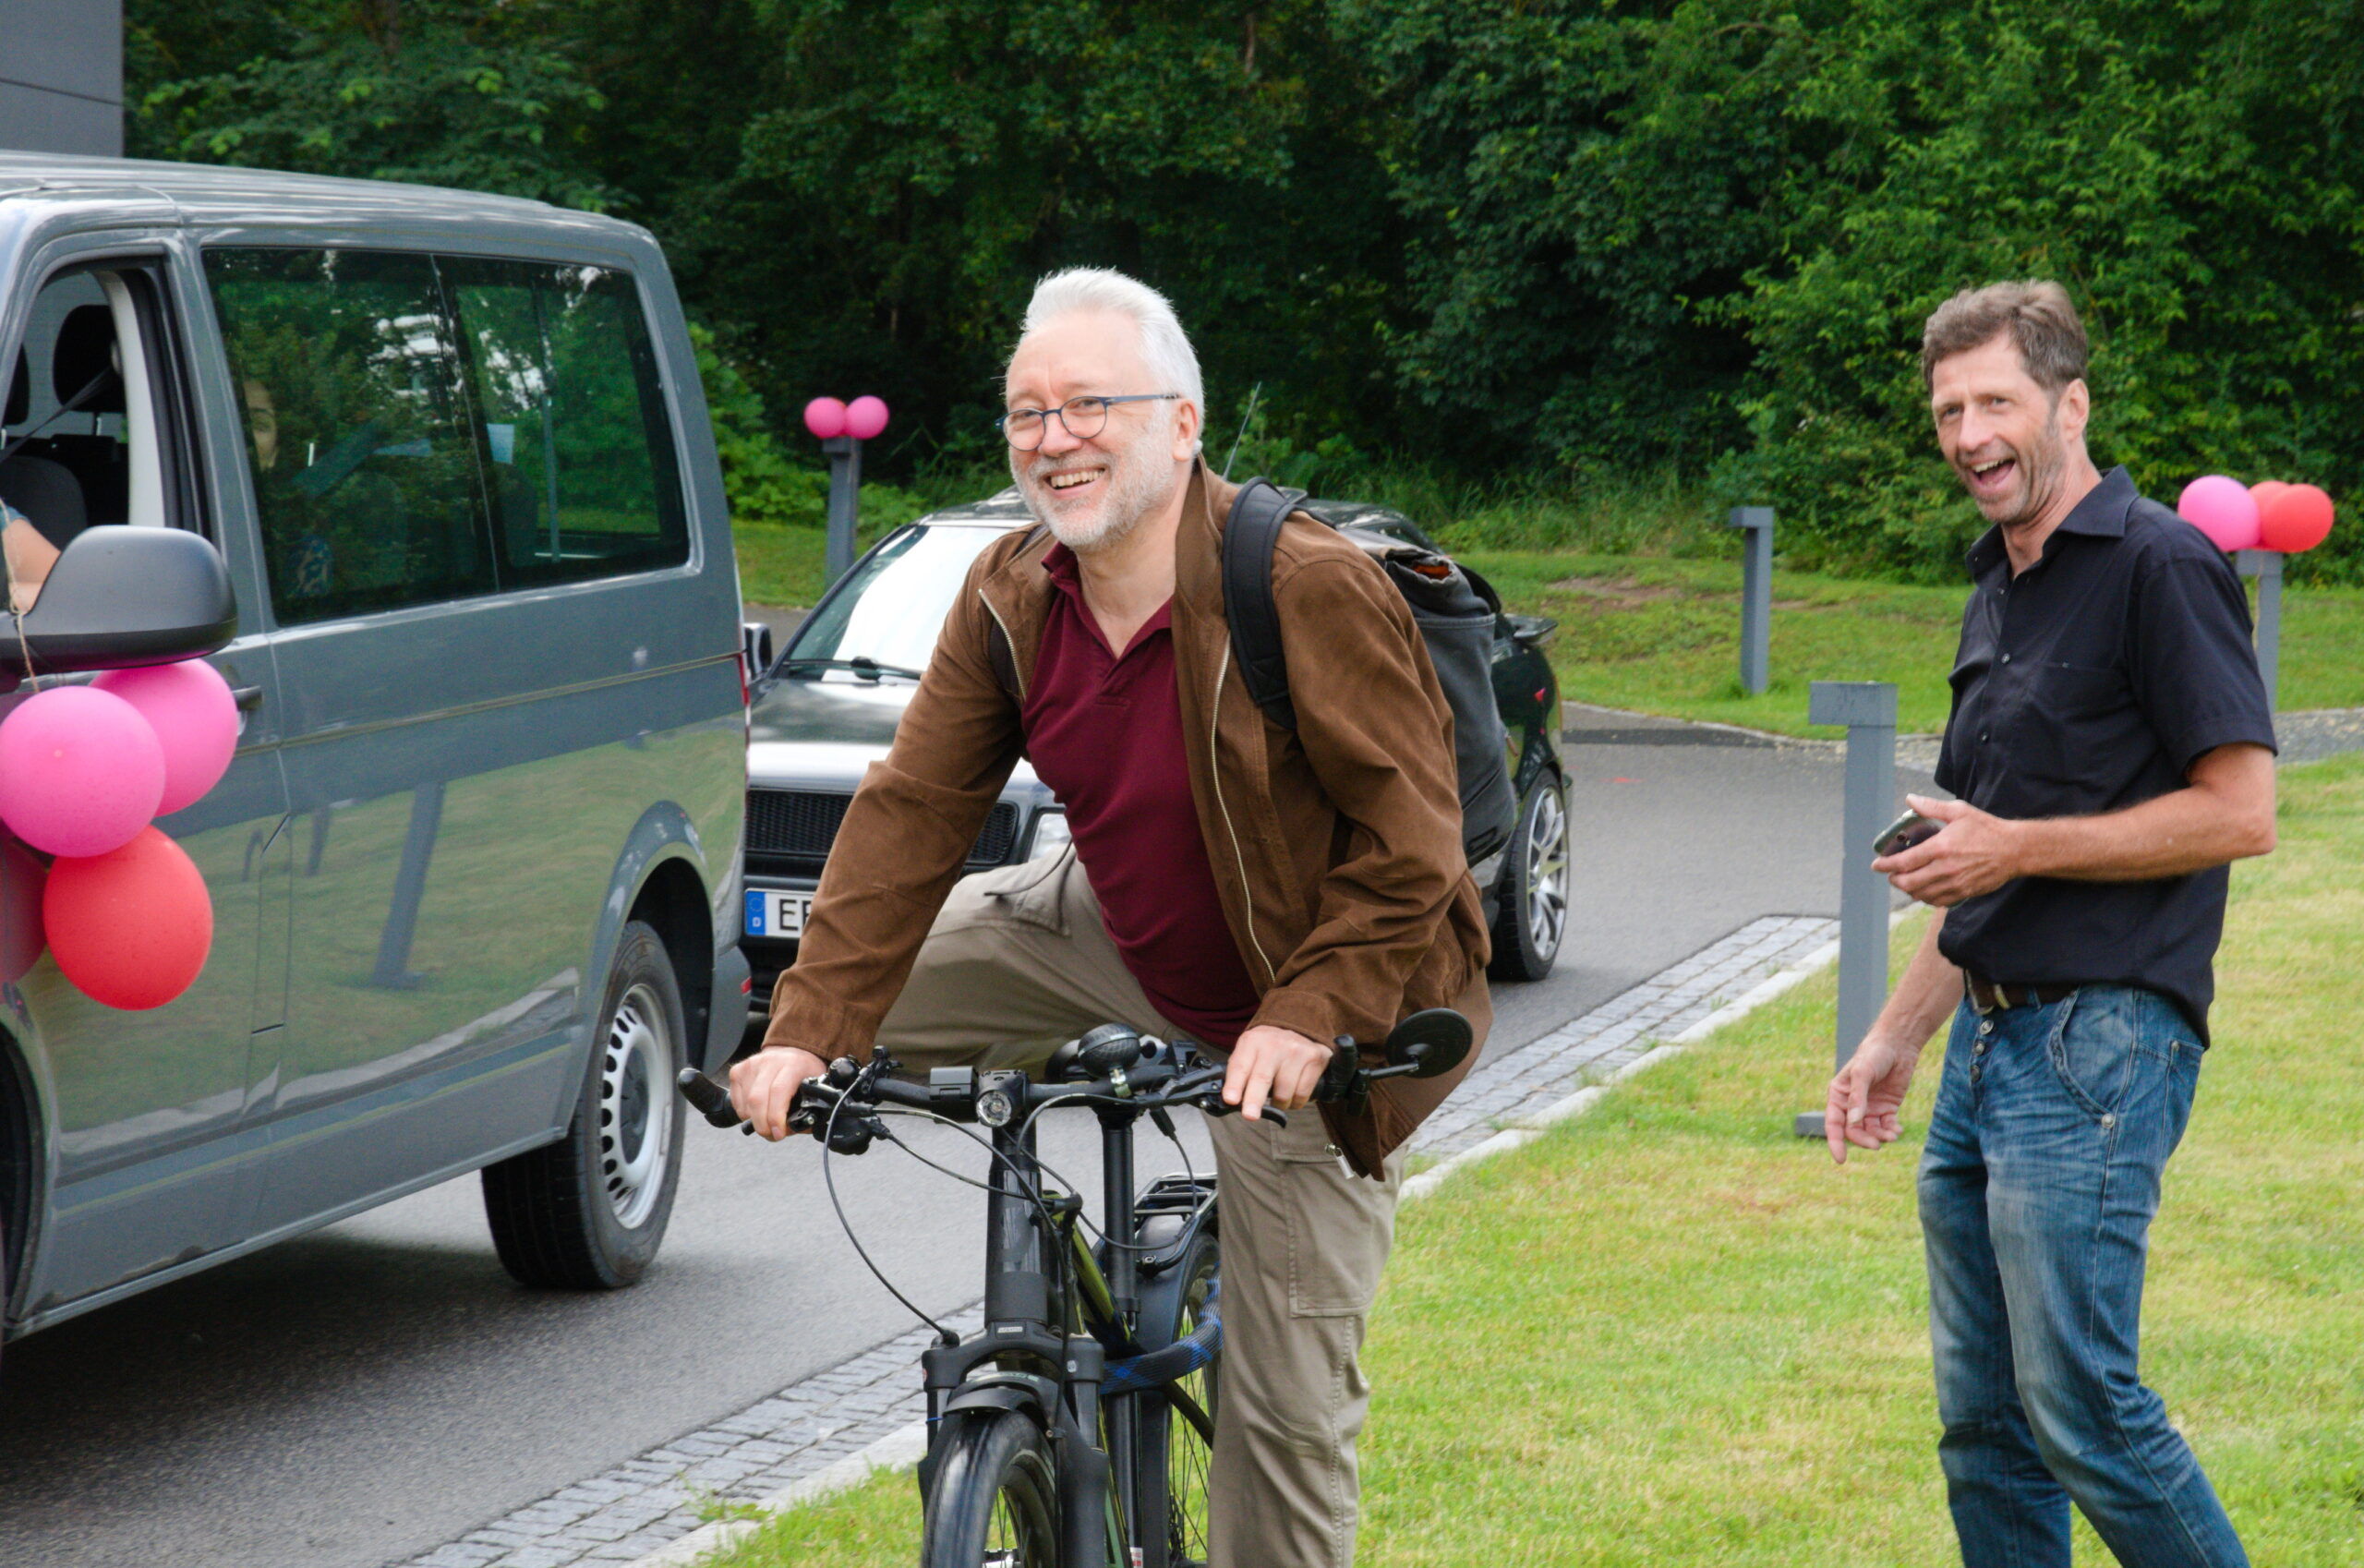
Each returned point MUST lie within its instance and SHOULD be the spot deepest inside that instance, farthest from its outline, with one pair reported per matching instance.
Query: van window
(579, 453)
(92, 431)
(359, 431)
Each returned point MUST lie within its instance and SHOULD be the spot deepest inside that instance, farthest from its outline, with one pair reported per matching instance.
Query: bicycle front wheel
(993, 1501)
(1178, 1429)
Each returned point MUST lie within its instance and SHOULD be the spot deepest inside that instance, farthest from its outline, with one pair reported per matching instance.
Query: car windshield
(885, 619)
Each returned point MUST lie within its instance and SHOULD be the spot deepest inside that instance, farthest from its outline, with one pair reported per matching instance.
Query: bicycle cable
(829, 1179)
(1031, 1191)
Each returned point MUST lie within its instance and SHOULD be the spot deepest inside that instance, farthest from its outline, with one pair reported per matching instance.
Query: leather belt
(1985, 995)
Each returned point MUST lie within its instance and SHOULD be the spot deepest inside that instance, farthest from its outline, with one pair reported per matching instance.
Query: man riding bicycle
(1260, 889)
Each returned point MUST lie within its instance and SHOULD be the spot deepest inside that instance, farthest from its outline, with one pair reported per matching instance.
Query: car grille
(790, 831)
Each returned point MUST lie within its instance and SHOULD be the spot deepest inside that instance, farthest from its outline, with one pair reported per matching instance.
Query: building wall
(61, 75)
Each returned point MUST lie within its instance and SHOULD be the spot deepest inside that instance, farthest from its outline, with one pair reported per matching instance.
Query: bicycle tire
(993, 1497)
(1175, 1453)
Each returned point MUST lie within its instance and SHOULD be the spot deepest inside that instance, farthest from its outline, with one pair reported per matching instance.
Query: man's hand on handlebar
(1272, 1066)
(764, 1086)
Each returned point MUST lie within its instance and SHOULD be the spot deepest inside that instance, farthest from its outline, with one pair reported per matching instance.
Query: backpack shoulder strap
(1249, 535)
(997, 649)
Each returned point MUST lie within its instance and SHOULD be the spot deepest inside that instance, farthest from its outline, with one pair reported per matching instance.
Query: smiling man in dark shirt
(2112, 746)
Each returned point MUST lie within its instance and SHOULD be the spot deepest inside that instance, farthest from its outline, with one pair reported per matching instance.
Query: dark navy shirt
(2091, 682)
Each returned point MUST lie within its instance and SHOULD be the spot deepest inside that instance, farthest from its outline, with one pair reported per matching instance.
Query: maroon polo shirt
(1103, 731)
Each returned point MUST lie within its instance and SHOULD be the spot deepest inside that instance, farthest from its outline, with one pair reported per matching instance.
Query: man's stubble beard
(1138, 487)
(2041, 463)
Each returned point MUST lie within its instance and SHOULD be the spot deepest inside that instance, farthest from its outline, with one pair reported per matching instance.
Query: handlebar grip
(1340, 1079)
(708, 1098)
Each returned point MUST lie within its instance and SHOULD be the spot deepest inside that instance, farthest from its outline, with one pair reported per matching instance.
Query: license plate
(777, 914)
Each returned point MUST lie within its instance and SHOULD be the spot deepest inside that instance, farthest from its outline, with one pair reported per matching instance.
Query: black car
(829, 707)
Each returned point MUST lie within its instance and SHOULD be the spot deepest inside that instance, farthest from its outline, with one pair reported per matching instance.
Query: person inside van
(29, 554)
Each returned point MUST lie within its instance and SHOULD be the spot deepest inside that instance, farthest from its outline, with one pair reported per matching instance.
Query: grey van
(442, 462)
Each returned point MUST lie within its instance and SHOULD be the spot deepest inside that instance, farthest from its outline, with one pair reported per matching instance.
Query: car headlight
(1051, 834)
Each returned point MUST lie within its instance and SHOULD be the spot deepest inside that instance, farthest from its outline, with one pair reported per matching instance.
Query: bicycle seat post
(1117, 1209)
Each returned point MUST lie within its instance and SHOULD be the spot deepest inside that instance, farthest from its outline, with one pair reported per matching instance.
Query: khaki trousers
(1019, 962)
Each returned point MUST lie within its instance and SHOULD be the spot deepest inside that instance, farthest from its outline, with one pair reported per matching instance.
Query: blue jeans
(2052, 1127)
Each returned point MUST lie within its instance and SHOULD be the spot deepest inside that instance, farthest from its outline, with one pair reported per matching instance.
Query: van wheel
(1531, 898)
(587, 1211)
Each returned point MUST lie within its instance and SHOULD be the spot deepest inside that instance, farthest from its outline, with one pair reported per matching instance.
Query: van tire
(587, 1211)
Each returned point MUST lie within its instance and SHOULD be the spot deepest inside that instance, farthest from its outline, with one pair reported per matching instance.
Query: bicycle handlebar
(1160, 1075)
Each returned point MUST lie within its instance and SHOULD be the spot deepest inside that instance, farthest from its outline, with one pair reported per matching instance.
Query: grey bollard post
(1756, 596)
(845, 501)
(2265, 565)
(1868, 709)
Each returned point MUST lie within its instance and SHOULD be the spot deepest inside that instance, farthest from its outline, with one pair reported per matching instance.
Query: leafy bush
(2169, 163)
(766, 488)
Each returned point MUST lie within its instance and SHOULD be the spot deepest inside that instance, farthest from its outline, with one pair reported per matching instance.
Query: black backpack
(1453, 608)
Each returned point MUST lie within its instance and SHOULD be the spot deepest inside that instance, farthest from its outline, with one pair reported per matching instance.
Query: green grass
(783, 567)
(1662, 635)
(1672, 1332)
(1649, 605)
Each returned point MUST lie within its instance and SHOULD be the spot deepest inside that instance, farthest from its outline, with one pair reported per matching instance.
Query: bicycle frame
(1055, 1312)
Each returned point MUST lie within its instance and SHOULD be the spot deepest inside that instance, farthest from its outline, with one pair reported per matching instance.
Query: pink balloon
(2297, 519)
(2223, 509)
(81, 771)
(825, 417)
(865, 417)
(196, 720)
(21, 877)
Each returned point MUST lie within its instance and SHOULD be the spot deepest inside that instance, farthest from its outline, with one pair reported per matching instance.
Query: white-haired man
(1260, 889)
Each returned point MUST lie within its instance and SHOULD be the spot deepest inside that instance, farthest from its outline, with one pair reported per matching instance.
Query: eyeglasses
(1082, 417)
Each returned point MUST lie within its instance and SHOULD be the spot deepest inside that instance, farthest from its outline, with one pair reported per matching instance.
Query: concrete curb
(1527, 1128)
(898, 1450)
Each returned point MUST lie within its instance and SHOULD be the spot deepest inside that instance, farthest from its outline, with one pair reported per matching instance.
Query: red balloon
(2263, 492)
(21, 876)
(131, 928)
(2297, 519)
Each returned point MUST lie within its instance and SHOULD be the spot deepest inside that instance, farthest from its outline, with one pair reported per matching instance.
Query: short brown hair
(2037, 314)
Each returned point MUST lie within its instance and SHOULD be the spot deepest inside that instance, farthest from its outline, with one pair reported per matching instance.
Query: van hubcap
(634, 1132)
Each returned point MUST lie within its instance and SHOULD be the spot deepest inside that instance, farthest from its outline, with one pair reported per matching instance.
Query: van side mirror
(119, 597)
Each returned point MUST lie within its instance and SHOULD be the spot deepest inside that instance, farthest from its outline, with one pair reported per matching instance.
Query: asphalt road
(359, 1396)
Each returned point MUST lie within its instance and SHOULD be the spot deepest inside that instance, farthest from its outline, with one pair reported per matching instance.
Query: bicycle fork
(1019, 1332)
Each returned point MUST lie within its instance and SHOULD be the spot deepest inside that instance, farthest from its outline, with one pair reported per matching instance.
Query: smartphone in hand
(1904, 832)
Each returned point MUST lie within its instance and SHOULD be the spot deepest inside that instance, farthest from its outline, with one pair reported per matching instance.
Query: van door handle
(249, 698)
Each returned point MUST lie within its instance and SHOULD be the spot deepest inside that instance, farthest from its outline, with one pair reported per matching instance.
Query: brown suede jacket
(1336, 847)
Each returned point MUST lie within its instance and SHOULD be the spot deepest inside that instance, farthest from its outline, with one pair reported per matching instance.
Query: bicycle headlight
(994, 1107)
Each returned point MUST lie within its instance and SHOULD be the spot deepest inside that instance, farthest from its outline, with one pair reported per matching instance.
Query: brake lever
(1214, 1105)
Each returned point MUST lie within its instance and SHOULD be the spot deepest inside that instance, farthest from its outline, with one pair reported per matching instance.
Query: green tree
(2191, 171)
(474, 93)
(1586, 182)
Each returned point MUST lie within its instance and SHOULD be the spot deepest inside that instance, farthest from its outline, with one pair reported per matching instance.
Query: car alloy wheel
(1546, 874)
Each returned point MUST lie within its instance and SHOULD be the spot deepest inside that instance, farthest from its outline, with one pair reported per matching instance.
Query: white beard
(1139, 483)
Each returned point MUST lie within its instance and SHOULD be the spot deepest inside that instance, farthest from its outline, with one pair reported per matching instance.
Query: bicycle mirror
(1431, 1042)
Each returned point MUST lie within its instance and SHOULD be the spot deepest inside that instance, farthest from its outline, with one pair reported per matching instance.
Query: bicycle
(1075, 1428)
